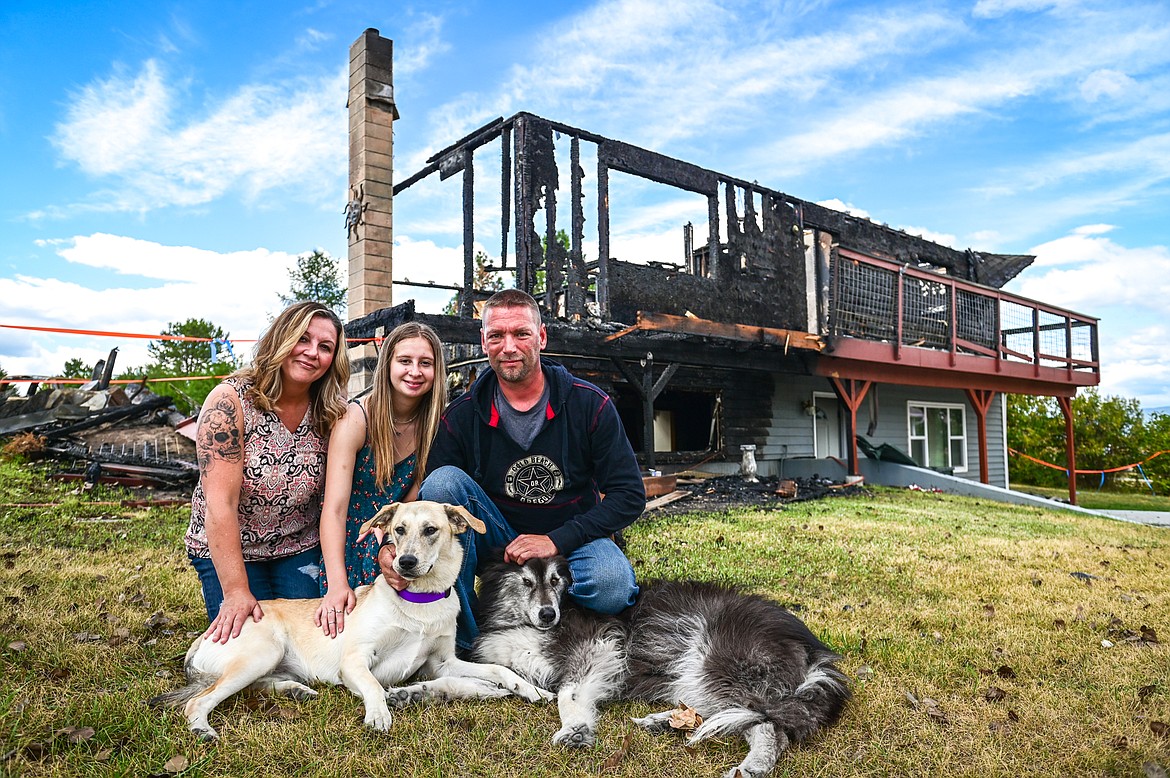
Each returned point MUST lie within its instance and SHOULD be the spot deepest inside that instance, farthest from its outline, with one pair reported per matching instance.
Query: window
(938, 435)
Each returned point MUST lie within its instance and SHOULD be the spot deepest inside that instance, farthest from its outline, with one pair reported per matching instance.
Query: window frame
(926, 406)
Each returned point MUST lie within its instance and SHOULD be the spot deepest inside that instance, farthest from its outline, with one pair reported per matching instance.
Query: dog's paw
(402, 696)
(378, 718)
(655, 723)
(206, 734)
(740, 772)
(577, 736)
(301, 694)
(532, 693)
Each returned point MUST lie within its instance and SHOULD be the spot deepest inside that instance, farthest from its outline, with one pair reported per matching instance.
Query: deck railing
(880, 300)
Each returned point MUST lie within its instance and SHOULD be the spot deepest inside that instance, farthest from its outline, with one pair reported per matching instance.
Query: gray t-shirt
(522, 426)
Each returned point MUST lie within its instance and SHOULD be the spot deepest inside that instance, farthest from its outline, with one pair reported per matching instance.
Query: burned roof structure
(770, 304)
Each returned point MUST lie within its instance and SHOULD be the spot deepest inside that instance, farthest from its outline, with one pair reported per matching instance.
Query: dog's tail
(197, 684)
(816, 703)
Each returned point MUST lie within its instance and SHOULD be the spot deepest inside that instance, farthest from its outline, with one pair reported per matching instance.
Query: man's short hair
(511, 298)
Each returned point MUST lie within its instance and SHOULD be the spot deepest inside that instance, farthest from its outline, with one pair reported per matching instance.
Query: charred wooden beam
(714, 329)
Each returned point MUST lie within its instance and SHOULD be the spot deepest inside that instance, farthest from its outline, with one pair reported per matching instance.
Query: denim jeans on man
(603, 579)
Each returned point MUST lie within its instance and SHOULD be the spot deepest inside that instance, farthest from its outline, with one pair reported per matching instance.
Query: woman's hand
(335, 606)
(386, 556)
(234, 611)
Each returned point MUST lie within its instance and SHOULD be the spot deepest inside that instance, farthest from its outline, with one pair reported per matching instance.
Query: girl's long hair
(265, 385)
(381, 406)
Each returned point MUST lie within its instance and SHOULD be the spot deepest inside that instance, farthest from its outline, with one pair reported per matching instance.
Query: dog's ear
(381, 519)
(461, 519)
(492, 556)
(562, 566)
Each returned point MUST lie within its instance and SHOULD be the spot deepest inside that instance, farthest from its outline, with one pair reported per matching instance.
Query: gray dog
(746, 665)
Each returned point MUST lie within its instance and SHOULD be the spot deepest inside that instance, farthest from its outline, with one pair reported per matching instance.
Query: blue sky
(169, 160)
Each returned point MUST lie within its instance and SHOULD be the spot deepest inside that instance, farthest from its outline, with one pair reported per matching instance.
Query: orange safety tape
(146, 336)
(112, 381)
(113, 334)
(1087, 472)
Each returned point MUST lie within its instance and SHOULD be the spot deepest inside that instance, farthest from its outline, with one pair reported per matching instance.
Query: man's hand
(386, 562)
(528, 547)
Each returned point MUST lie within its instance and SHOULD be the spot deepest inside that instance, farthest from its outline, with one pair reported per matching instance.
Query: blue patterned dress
(366, 499)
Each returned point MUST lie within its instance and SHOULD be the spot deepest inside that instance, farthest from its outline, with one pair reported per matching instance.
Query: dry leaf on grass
(76, 734)
(17, 646)
(58, 674)
(994, 694)
(1146, 691)
(176, 764)
(685, 717)
(158, 620)
(36, 751)
(617, 757)
(928, 706)
(865, 673)
(1154, 770)
(1160, 728)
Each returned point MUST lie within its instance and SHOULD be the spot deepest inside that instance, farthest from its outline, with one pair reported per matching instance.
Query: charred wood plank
(117, 414)
(740, 332)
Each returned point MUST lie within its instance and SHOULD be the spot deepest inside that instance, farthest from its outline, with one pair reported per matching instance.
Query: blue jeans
(291, 577)
(603, 579)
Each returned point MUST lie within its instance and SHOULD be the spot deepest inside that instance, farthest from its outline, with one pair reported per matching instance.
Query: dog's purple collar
(423, 597)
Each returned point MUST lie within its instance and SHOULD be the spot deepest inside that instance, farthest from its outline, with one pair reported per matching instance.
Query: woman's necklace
(407, 423)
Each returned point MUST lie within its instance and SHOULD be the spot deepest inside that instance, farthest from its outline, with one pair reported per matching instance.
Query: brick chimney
(369, 211)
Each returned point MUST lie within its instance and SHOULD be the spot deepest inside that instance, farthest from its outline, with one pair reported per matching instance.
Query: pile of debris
(122, 435)
(700, 492)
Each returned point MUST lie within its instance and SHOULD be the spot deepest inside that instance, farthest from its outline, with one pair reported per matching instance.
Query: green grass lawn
(974, 650)
(1103, 500)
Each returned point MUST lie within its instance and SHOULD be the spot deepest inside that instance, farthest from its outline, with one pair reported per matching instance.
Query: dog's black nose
(407, 562)
(547, 614)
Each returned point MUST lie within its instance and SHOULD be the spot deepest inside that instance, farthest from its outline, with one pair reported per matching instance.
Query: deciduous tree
(317, 277)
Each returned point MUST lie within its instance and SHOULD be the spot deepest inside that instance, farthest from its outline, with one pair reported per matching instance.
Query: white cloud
(1087, 272)
(1137, 366)
(1105, 83)
(992, 9)
(424, 262)
(941, 238)
(838, 205)
(701, 65)
(421, 42)
(138, 134)
(187, 284)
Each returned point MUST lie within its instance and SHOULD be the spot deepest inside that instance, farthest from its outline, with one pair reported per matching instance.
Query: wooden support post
(648, 389)
(981, 400)
(1070, 447)
(851, 391)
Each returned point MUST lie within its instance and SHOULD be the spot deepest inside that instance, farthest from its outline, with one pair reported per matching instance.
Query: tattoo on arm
(219, 435)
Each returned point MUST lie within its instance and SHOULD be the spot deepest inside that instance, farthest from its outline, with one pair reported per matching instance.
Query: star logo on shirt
(535, 479)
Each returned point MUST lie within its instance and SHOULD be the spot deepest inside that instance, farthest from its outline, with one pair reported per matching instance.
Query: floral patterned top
(367, 498)
(280, 497)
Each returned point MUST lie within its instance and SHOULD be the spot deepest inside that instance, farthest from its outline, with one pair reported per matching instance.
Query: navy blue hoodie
(554, 487)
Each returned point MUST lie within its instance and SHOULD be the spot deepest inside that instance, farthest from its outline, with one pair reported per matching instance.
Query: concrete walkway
(1153, 518)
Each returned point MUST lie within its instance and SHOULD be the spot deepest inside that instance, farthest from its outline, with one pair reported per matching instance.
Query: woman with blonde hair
(261, 444)
(377, 455)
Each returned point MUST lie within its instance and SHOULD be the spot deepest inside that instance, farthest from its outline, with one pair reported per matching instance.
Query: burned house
(778, 323)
